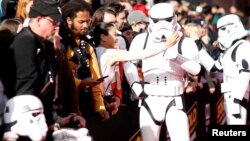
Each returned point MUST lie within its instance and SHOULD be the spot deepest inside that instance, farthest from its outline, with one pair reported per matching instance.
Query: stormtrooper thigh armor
(236, 111)
(156, 109)
(235, 100)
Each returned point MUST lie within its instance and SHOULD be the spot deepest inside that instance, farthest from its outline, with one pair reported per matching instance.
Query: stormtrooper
(161, 91)
(235, 64)
(24, 118)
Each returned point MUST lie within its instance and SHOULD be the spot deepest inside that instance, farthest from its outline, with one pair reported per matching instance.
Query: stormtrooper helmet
(162, 21)
(69, 134)
(23, 116)
(230, 29)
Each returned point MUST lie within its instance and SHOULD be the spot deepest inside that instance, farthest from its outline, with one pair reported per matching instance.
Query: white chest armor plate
(162, 71)
(163, 61)
(230, 70)
(164, 75)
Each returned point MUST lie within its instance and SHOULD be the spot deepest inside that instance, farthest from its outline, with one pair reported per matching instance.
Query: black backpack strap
(146, 40)
(179, 45)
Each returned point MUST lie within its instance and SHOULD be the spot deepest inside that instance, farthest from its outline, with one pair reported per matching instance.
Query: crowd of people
(81, 62)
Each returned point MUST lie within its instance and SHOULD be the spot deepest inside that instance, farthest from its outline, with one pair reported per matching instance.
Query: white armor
(235, 63)
(206, 60)
(24, 116)
(230, 29)
(164, 72)
(162, 25)
(68, 134)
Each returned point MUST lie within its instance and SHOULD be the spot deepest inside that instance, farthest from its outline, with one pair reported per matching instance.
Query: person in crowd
(196, 32)
(127, 4)
(207, 15)
(127, 33)
(22, 12)
(213, 51)
(112, 84)
(8, 9)
(120, 14)
(141, 5)
(13, 24)
(234, 10)
(102, 14)
(176, 5)
(161, 92)
(138, 21)
(234, 62)
(121, 20)
(82, 58)
(9, 27)
(34, 69)
(89, 2)
(107, 15)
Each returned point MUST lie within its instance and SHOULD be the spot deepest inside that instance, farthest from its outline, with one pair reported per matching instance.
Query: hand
(104, 114)
(64, 121)
(80, 120)
(212, 90)
(72, 118)
(216, 44)
(57, 40)
(89, 82)
(112, 107)
(191, 87)
(117, 100)
(173, 39)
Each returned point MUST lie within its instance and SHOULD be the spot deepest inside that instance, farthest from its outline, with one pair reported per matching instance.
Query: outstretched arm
(123, 55)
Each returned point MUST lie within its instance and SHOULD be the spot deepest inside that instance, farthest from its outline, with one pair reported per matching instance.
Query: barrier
(203, 109)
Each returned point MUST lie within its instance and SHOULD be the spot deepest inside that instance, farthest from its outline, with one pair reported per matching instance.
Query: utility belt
(163, 90)
(164, 84)
(163, 78)
(229, 84)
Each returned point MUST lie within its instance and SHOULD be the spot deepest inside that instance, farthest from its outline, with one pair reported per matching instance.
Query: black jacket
(32, 60)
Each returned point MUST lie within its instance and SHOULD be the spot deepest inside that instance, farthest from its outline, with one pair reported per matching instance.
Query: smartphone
(102, 78)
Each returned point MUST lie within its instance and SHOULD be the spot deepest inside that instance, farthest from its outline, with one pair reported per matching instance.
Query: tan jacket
(95, 74)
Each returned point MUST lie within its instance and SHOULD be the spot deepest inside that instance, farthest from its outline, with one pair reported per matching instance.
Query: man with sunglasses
(34, 67)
